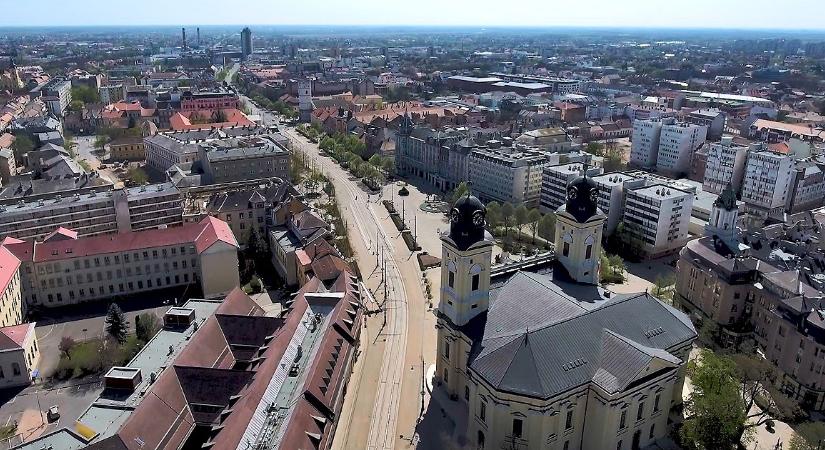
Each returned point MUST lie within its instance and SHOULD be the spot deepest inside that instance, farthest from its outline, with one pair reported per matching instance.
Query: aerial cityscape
(544, 226)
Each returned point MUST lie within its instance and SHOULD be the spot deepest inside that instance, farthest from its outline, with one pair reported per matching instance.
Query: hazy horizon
(635, 14)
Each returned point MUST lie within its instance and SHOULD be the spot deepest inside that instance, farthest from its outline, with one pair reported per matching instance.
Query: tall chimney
(199, 36)
(183, 31)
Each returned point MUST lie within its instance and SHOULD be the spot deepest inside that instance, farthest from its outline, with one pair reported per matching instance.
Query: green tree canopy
(116, 325)
(520, 216)
(533, 219)
(493, 214)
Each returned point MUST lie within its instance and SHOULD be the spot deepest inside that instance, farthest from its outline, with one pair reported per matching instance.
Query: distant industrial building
(246, 42)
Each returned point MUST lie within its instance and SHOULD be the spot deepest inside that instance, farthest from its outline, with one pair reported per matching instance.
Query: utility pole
(415, 227)
(403, 211)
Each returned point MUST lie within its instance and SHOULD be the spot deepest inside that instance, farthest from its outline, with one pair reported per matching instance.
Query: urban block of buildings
(524, 352)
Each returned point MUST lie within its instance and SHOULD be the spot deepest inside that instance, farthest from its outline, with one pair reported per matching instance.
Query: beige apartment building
(66, 269)
(11, 300)
(19, 355)
(538, 361)
(749, 290)
(127, 149)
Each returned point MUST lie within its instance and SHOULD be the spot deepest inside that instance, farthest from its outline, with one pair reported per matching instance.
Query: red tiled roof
(234, 117)
(202, 234)
(16, 335)
(60, 234)
(8, 267)
(6, 140)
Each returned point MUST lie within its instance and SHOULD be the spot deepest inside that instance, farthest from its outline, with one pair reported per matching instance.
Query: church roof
(543, 337)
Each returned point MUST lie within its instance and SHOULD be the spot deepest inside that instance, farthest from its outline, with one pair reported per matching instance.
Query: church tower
(723, 219)
(579, 224)
(467, 251)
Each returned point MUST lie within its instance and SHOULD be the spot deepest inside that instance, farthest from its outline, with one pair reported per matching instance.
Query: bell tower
(466, 257)
(579, 224)
(723, 219)
(465, 263)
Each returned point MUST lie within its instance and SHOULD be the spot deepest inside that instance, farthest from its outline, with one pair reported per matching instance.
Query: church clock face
(594, 196)
(478, 219)
(572, 193)
(454, 216)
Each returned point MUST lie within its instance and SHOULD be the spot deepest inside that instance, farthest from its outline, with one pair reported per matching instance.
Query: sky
(736, 14)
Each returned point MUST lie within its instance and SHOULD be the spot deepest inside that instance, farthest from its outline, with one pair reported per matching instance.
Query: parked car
(53, 414)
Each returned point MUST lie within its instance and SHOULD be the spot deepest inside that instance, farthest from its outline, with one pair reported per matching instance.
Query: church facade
(546, 359)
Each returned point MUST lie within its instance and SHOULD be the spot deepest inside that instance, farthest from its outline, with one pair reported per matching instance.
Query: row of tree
(348, 149)
(512, 216)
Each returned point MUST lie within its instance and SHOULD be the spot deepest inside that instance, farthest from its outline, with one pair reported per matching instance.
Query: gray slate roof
(543, 337)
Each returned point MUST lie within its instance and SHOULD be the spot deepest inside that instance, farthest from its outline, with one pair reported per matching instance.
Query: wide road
(363, 219)
(385, 395)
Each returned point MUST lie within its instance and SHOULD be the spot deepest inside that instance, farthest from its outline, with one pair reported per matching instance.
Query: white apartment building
(644, 149)
(65, 269)
(613, 188)
(554, 183)
(658, 216)
(767, 183)
(725, 165)
(93, 212)
(808, 187)
(507, 174)
(677, 142)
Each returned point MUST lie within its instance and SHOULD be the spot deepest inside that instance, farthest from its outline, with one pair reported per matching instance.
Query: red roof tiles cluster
(64, 243)
(219, 379)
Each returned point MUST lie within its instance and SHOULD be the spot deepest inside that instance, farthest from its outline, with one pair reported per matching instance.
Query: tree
(116, 325)
(100, 141)
(716, 413)
(65, 346)
(493, 215)
(388, 166)
(146, 326)
(507, 211)
(808, 436)
(732, 396)
(547, 227)
(256, 247)
(594, 148)
(22, 145)
(616, 264)
(375, 160)
(520, 216)
(613, 159)
(533, 219)
(219, 116)
(85, 94)
(460, 191)
(663, 287)
(137, 175)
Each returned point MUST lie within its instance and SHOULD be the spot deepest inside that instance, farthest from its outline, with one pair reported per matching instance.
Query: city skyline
(704, 14)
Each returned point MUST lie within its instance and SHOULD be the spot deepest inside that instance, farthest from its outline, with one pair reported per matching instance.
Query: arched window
(480, 440)
(15, 367)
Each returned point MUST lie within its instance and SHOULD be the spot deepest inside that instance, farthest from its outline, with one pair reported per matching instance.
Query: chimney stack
(183, 31)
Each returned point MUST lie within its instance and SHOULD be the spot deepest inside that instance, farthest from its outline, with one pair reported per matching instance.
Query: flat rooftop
(106, 415)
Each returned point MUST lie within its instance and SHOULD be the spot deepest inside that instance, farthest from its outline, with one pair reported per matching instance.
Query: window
(475, 282)
(446, 376)
(15, 368)
(566, 249)
(450, 278)
(623, 420)
(480, 439)
(588, 252)
(619, 446)
(2, 375)
(446, 349)
(566, 445)
(467, 393)
(517, 427)
(568, 423)
(656, 402)
(482, 412)
(640, 411)
(652, 427)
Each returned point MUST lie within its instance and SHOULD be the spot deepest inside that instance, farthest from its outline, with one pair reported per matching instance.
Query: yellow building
(127, 149)
(19, 355)
(539, 357)
(11, 303)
